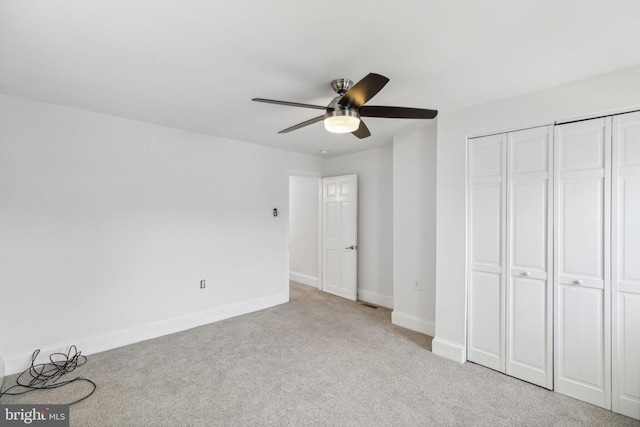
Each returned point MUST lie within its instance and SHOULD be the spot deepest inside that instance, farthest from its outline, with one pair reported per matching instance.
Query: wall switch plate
(416, 285)
(203, 284)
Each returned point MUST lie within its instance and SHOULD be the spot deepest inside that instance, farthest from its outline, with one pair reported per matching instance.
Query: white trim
(298, 172)
(98, 343)
(467, 212)
(1, 374)
(563, 121)
(375, 298)
(319, 266)
(414, 323)
(449, 350)
(598, 115)
(305, 279)
(510, 130)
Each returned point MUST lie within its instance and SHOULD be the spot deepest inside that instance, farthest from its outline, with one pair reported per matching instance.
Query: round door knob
(578, 282)
(527, 274)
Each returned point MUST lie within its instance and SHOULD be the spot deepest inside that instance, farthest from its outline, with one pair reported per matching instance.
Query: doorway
(323, 233)
(305, 228)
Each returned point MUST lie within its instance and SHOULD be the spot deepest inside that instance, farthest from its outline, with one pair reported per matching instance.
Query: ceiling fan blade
(362, 131)
(290, 104)
(363, 91)
(397, 112)
(303, 124)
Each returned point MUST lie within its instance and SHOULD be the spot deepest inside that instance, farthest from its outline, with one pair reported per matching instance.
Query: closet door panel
(486, 227)
(581, 334)
(626, 265)
(529, 225)
(582, 282)
(626, 383)
(581, 243)
(582, 146)
(628, 255)
(485, 319)
(486, 156)
(528, 341)
(528, 308)
(529, 150)
(486, 236)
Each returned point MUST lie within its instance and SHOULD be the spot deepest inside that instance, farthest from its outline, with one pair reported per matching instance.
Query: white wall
(108, 226)
(375, 220)
(599, 95)
(414, 229)
(304, 227)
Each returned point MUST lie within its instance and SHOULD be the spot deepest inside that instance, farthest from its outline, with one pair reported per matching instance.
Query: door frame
(318, 176)
(319, 235)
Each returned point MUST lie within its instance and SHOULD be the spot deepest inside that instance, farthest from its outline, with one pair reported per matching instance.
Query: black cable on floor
(47, 376)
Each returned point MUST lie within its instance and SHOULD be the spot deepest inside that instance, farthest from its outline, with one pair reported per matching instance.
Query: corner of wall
(414, 323)
(305, 279)
(449, 350)
(375, 298)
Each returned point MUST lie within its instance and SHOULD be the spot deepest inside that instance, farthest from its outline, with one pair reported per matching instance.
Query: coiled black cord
(47, 376)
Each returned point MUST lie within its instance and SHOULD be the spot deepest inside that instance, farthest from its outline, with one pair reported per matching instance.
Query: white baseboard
(412, 322)
(449, 350)
(304, 279)
(375, 298)
(95, 344)
(627, 405)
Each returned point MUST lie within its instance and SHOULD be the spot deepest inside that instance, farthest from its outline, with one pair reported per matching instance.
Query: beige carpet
(316, 361)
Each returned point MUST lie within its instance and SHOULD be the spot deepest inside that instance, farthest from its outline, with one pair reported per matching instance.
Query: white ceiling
(196, 64)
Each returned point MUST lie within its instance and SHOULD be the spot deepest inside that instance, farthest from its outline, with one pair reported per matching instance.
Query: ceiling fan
(343, 113)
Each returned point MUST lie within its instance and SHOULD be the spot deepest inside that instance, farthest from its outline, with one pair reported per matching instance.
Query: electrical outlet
(203, 284)
(416, 285)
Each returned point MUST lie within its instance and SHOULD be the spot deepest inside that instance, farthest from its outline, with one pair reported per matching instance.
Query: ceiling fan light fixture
(342, 115)
(342, 121)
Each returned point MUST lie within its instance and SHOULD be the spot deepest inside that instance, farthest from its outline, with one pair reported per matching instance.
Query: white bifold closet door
(486, 246)
(510, 292)
(582, 290)
(625, 251)
(529, 281)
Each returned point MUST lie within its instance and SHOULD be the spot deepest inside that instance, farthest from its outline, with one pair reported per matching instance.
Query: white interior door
(582, 260)
(626, 265)
(529, 293)
(339, 236)
(486, 231)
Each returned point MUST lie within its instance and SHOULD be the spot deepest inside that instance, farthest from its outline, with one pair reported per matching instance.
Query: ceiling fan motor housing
(340, 86)
(335, 109)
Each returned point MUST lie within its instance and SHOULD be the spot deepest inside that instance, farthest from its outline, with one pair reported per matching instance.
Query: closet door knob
(526, 274)
(578, 282)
